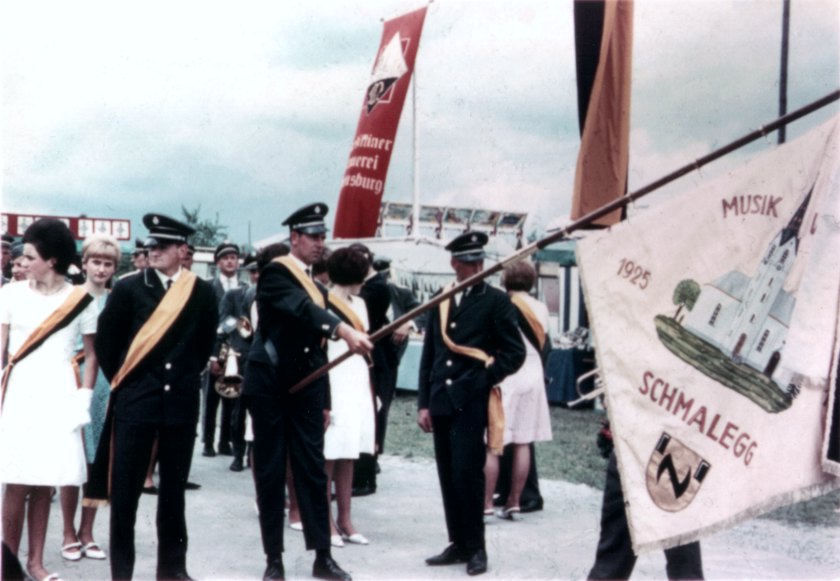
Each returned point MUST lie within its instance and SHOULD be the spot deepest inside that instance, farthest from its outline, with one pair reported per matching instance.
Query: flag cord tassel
(577, 225)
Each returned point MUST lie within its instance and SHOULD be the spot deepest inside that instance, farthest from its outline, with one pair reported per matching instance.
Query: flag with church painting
(714, 315)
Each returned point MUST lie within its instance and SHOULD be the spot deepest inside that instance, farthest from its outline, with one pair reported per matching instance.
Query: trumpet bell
(229, 384)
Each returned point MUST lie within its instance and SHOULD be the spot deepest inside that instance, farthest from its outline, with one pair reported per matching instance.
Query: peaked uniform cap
(468, 247)
(250, 262)
(309, 219)
(225, 248)
(163, 230)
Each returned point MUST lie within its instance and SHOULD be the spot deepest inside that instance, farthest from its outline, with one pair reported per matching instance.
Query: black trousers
(384, 378)
(237, 427)
(460, 454)
(132, 452)
(292, 425)
(615, 558)
(211, 405)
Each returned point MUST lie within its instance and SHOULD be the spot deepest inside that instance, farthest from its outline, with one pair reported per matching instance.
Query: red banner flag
(364, 179)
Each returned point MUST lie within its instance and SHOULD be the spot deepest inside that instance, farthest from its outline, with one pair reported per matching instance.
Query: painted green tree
(685, 295)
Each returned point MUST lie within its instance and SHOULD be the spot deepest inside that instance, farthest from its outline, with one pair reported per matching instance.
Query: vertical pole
(784, 67)
(415, 209)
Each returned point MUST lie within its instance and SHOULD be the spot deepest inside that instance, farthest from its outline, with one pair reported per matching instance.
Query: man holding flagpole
(154, 338)
(289, 344)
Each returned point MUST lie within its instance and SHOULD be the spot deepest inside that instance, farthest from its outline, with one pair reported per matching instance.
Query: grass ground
(573, 456)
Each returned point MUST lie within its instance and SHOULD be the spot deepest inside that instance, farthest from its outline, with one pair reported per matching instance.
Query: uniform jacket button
(166, 388)
(448, 382)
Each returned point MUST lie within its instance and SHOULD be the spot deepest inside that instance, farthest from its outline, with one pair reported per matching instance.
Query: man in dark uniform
(377, 299)
(157, 393)
(454, 388)
(234, 331)
(226, 279)
(290, 343)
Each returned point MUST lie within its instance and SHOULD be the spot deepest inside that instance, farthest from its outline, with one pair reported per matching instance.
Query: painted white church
(748, 318)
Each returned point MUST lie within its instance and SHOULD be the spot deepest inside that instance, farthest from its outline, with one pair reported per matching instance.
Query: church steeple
(792, 229)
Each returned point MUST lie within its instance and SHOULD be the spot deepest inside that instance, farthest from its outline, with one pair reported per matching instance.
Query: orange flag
(601, 174)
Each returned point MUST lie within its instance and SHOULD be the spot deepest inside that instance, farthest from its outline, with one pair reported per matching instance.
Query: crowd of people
(107, 381)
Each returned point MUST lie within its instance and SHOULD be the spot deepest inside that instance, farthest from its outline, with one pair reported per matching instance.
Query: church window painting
(763, 340)
(714, 316)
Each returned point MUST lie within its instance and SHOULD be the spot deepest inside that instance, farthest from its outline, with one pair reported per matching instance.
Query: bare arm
(91, 363)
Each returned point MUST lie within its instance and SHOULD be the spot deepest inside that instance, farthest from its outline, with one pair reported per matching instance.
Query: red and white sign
(364, 179)
(81, 227)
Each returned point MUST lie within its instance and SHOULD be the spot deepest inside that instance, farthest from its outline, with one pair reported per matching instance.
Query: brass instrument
(229, 383)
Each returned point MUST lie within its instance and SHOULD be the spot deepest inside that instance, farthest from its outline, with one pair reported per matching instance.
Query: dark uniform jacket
(234, 304)
(296, 330)
(165, 386)
(485, 319)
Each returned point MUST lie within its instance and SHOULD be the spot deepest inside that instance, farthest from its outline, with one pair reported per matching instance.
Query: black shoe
(236, 465)
(191, 486)
(150, 489)
(208, 451)
(274, 571)
(477, 563)
(179, 576)
(225, 449)
(327, 568)
(449, 556)
(364, 490)
(531, 505)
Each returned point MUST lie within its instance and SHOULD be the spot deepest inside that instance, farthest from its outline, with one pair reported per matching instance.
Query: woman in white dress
(43, 411)
(351, 429)
(100, 256)
(524, 399)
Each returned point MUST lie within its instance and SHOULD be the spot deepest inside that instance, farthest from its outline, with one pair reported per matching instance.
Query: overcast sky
(248, 109)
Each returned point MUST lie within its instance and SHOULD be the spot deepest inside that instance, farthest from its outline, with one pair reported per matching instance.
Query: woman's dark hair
(52, 239)
(359, 247)
(347, 266)
(270, 252)
(519, 276)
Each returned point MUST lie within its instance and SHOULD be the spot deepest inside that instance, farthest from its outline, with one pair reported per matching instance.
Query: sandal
(92, 550)
(49, 577)
(72, 551)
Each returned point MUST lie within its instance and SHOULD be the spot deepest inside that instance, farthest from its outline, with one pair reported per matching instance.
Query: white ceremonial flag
(714, 316)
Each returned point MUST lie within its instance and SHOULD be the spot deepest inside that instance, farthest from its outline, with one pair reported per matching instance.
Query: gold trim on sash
(495, 411)
(153, 330)
(533, 322)
(307, 283)
(43, 331)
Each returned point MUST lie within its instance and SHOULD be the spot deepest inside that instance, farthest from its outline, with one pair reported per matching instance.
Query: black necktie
(168, 283)
(308, 273)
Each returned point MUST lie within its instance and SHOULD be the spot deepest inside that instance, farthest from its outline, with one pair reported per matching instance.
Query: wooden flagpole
(577, 225)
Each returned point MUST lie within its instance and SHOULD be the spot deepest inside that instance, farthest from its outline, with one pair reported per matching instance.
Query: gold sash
(495, 411)
(307, 283)
(533, 322)
(346, 311)
(153, 330)
(77, 300)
